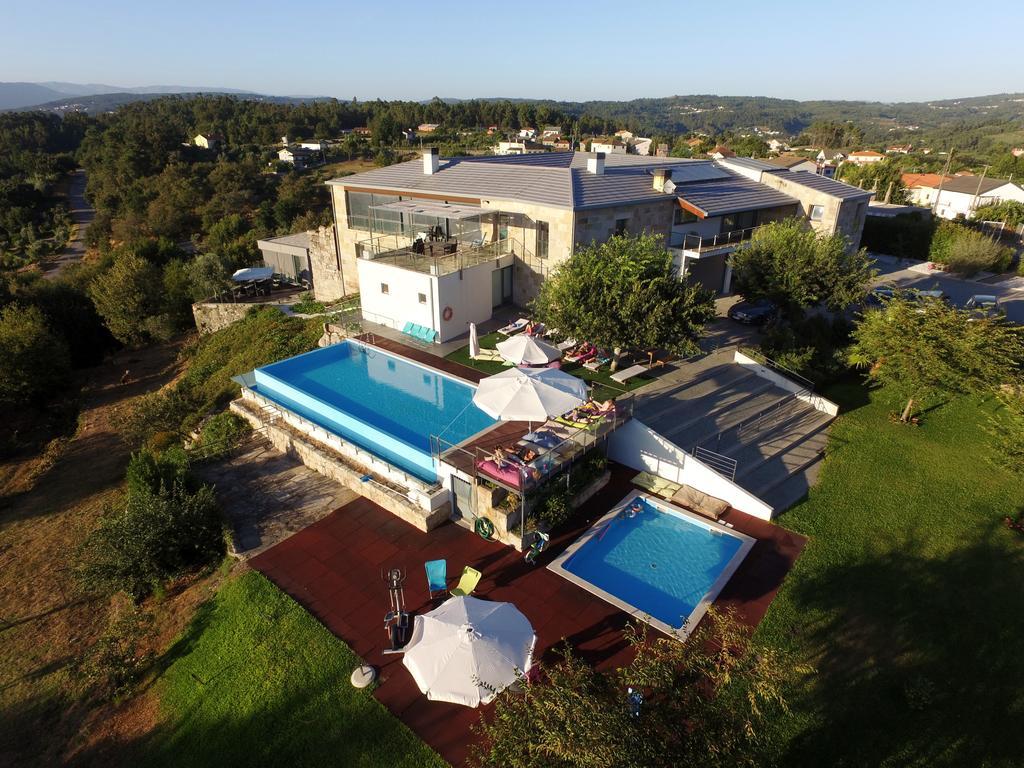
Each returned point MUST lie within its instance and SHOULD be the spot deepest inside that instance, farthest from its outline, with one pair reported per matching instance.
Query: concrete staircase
(776, 440)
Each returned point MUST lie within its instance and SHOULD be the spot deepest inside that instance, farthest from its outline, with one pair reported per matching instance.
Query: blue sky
(888, 51)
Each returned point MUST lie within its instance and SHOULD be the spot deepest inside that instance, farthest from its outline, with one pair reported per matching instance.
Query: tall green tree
(795, 267)
(126, 294)
(924, 351)
(885, 177)
(625, 294)
(36, 361)
(703, 703)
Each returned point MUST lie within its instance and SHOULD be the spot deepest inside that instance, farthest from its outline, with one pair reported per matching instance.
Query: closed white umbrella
(533, 394)
(474, 342)
(468, 650)
(526, 350)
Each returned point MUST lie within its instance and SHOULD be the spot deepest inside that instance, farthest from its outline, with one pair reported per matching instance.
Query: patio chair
(490, 354)
(437, 576)
(467, 583)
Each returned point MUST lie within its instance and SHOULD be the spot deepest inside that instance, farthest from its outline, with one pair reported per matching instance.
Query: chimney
(661, 175)
(284, 140)
(595, 164)
(431, 160)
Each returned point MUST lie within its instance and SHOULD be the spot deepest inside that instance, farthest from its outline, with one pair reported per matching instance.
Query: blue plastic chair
(437, 576)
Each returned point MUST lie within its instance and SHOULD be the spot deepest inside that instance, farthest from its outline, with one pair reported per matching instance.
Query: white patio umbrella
(468, 650)
(526, 350)
(533, 394)
(474, 342)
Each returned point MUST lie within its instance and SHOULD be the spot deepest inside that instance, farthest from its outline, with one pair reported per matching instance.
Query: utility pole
(977, 192)
(945, 172)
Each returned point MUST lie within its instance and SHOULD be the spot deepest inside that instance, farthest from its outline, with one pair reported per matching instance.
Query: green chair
(467, 582)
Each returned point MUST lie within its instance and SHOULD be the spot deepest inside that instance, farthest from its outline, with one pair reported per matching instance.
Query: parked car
(984, 305)
(879, 297)
(753, 312)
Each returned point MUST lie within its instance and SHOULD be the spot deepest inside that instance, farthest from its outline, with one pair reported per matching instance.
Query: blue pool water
(660, 562)
(383, 403)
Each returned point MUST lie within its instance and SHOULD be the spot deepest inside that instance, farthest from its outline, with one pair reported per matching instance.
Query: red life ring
(447, 314)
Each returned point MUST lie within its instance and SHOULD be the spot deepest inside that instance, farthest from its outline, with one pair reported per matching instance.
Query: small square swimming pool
(384, 403)
(655, 561)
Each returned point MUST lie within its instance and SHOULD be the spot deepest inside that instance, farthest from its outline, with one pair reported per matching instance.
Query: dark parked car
(984, 305)
(879, 297)
(753, 312)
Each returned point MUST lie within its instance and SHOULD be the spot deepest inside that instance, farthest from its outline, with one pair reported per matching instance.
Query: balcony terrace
(699, 246)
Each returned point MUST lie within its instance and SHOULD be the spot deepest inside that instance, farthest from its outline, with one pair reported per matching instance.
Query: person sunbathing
(500, 458)
(586, 348)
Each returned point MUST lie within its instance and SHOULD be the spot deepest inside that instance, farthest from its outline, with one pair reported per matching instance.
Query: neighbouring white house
(315, 145)
(527, 133)
(776, 145)
(865, 157)
(524, 147)
(955, 196)
(721, 152)
(208, 140)
(299, 157)
(608, 146)
(428, 127)
(442, 243)
(899, 149)
(625, 135)
(551, 132)
(642, 146)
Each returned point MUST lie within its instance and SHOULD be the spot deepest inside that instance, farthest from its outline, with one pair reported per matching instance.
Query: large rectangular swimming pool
(382, 402)
(655, 561)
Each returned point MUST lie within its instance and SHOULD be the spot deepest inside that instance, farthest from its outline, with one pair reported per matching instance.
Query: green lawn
(257, 681)
(907, 600)
(604, 387)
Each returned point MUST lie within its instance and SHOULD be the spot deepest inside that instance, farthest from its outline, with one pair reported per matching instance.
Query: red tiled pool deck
(334, 566)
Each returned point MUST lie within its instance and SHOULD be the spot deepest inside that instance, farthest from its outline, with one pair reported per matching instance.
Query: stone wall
(212, 316)
(333, 279)
(348, 243)
(843, 216)
(597, 226)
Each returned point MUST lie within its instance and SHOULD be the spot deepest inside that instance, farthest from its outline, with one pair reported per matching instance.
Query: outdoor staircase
(742, 425)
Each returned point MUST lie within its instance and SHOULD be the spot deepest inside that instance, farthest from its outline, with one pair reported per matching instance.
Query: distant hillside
(16, 95)
(43, 95)
(108, 102)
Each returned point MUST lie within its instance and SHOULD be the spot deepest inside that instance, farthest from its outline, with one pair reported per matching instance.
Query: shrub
(155, 413)
(554, 508)
(151, 471)
(972, 252)
(118, 659)
(154, 536)
(222, 432)
(307, 305)
(814, 347)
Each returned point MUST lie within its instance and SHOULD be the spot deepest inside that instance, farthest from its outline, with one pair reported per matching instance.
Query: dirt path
(45, 622)
(82, 214)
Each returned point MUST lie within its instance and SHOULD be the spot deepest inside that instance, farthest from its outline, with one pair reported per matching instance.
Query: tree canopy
(699, 702)
(927, 350)
(625, 294)
(790, 264)
(36, 361)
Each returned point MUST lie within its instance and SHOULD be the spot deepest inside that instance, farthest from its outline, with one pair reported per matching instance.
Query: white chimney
(661, 176)
(595, 164)
(284, 140)
(431, 161)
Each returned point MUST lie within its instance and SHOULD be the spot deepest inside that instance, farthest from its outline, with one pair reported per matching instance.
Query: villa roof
(922, 179)
(737, 193)
(973, 185)
(788, 161)
(827, 186)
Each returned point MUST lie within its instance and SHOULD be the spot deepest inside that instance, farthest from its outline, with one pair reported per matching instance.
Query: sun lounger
(581, 358)
(595, 363)
(544, 438)
(623, 376)
(467, 583)
(490, 354)
(566, 345)
(437, 576)
(513, 328)
(699, 502)
(589, 424)
(659, 486)
(419, 332)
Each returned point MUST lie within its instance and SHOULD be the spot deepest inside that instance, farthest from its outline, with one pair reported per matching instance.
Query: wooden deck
(333, 568)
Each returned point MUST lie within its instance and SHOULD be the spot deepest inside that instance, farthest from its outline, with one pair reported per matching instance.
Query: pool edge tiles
(560, 563)
(273, 383)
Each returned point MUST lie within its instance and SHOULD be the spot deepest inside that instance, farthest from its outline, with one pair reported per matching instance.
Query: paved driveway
(82, 214)
(1010, 291)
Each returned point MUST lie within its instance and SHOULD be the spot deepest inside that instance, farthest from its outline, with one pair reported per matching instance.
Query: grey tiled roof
(737, 193)
(970, 184)
(558, 179)
(753, 163)
(827, 186)
(297, 239)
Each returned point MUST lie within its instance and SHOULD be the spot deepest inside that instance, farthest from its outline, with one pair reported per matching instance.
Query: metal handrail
(695, 242)
(781, 369)
(397, 249)
(720, 463)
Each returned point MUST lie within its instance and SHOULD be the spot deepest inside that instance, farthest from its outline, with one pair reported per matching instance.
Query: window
(817, 212)
(384, 288)
(683, 216)
(543, 235)
(621, 226)
(423, 298)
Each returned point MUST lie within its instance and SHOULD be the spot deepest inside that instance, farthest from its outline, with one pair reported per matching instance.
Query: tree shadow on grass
(918, 658)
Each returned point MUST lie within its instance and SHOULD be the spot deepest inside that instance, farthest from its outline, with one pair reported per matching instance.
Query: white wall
(468, 293)
(817, 402)
(636, 445)
(401, 304)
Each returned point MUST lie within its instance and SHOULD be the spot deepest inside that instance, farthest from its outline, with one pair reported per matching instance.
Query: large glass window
(358, 206)
(543, 234)
(386, 222)
(684, 216)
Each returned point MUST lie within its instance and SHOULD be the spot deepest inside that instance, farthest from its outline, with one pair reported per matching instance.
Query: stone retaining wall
(211, 316)
(326, 461)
